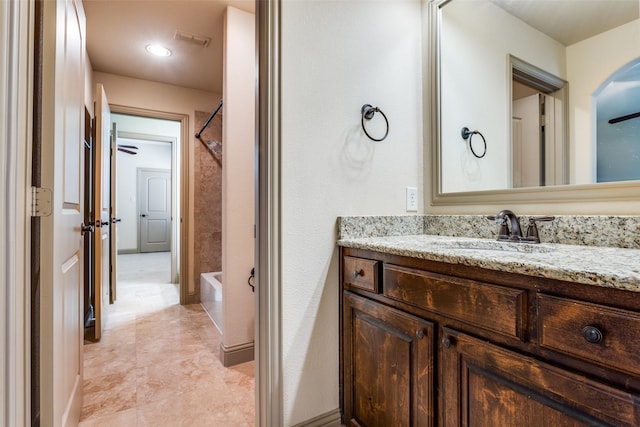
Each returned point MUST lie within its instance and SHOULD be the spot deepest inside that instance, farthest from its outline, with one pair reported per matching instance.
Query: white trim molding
(16, 82)
(268, 228)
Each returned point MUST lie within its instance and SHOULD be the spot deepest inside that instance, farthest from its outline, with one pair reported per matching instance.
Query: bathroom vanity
(460, 331)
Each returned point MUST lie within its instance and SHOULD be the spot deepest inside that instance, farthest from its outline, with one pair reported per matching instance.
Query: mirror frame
(572, 193)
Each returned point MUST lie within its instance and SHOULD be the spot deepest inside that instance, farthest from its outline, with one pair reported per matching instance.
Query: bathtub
(211, 296)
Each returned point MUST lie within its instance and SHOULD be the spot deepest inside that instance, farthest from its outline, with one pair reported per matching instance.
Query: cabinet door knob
(446, 342)
(592, 334)
(357, 273)
(420, 334)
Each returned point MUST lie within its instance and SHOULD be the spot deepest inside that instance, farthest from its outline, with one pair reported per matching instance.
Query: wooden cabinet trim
(495, 308)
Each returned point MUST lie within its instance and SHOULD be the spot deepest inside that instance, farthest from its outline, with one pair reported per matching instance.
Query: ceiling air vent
(192, 38)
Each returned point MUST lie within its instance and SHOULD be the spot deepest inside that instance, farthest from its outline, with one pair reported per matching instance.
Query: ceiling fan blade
(127, 151)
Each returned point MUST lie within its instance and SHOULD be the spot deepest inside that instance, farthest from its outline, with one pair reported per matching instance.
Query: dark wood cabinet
(486, 386)
(428, 343)
(389, 374)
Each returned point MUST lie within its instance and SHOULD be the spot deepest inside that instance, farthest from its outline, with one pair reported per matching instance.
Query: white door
(154, 194)
(553, 140)
(61, 268)
(528, 148)
(516, 151)
(101, 208)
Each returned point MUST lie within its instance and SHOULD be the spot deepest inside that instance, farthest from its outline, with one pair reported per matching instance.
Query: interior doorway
(150, 140)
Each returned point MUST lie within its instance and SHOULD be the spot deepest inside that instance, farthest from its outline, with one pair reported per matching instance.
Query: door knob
(114, 220)
(86, 228)
(143, 215)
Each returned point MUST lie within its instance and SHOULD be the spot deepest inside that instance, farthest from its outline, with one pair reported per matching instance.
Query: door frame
(180, 161)
(16, 107)
(269, 388)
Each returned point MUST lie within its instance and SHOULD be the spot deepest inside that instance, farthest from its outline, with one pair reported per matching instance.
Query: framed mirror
(527, 79)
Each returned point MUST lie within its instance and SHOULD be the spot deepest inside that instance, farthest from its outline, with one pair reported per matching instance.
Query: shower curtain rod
(209, 119)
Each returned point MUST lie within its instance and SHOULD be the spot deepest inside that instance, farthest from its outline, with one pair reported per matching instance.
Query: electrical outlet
(412, 199)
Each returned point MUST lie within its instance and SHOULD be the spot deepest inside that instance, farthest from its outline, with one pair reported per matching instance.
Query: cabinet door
(485, 385)
(388, 366)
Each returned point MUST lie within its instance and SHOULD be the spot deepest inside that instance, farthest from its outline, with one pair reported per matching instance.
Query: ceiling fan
(129, 149)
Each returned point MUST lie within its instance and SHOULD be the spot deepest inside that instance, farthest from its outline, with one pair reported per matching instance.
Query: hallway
(157, 363)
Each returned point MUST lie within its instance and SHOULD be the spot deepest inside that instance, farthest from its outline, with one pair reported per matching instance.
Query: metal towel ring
(468, 135)
(368, 111)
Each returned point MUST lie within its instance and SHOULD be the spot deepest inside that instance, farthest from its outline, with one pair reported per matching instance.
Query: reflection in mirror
(481, 45)
(618, 125)
(538, 126)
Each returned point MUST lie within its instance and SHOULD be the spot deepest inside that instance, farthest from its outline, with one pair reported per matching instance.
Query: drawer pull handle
(592, 334)
(446, 342)
(357, 273)
(420, 334)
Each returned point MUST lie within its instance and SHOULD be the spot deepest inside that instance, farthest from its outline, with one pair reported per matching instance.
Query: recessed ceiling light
(157, 50)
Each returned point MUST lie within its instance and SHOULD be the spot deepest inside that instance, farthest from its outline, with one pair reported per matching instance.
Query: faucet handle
(532, 229)
(535, 219)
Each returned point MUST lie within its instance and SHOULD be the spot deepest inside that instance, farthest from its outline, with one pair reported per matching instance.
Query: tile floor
(157, 363)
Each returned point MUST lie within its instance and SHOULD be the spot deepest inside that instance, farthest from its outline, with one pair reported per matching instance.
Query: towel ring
(468, 135)
(368, 111)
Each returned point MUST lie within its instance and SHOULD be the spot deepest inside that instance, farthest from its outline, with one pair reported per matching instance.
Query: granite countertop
(592, 265)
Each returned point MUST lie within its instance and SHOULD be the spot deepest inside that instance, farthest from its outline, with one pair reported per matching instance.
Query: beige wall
(154, 96)
(337, 56)
(238, 178)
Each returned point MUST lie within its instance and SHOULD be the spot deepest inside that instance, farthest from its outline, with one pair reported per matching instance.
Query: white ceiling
(119, 30)
(570, 21)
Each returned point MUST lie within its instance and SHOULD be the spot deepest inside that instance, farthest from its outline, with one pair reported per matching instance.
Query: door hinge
(41, 201)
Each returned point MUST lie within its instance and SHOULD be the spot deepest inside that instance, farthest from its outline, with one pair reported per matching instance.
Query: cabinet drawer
(491, 307)
(597, 333)
(361, 273)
